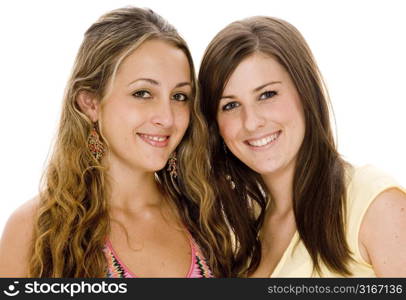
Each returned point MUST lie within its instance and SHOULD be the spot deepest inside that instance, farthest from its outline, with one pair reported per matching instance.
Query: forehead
(254, 70)
(155, 58)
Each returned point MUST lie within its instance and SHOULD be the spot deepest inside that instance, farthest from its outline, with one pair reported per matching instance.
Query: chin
(149, 167)
(269, 168)
(156, 168)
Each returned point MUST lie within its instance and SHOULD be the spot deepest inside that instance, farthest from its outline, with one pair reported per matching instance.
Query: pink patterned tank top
(117, 269)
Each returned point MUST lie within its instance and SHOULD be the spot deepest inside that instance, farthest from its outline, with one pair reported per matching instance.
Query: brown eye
(142, 94)
(180, 97)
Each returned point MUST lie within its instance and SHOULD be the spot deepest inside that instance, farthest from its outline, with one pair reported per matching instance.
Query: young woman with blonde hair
(125, 192)
(271, 142)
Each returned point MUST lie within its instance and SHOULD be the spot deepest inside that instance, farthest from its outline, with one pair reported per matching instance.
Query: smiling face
(146, 112)
(260, 115)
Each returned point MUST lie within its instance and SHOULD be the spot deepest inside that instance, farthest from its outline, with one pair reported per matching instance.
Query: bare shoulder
(383, 233)
(16, 240)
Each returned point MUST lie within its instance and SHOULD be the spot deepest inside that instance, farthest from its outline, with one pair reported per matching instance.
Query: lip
(155, 140)
(266, 146)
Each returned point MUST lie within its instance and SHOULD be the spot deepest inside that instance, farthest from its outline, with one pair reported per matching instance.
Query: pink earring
(94, 144)
(172, 168)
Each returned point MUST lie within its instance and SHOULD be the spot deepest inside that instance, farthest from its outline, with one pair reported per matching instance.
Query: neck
(280, 186)
(132, 189)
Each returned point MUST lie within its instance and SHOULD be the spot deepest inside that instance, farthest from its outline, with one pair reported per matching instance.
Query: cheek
(288, 112)
(228, 128)
(114, 111)
(297, 123)
(297, 115)
(108, 121)
(182, 118)
(301, 132)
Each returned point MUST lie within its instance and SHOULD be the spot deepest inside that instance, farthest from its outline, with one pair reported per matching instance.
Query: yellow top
(364, 184)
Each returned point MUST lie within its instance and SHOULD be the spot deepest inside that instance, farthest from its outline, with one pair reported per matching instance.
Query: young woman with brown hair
(271, 142)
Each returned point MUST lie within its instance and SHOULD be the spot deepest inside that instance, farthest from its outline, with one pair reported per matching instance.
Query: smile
(264, 141)
(155, 140)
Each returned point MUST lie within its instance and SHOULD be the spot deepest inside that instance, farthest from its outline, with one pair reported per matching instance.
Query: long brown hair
(73, 215)
(318, 183)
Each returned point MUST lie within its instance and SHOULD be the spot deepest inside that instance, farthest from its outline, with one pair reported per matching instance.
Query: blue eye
(142, 94)
(267, 95)
(180, 97)
(230, 106)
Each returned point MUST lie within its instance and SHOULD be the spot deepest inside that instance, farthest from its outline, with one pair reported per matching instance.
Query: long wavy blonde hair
(73, 220)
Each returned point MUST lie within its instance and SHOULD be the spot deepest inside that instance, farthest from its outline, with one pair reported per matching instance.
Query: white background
(360, 47)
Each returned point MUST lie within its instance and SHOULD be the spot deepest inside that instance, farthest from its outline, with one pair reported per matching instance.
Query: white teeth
(155, 138)
(264, 141)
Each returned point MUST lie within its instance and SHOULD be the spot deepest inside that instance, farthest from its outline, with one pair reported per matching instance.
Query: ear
(88, 104)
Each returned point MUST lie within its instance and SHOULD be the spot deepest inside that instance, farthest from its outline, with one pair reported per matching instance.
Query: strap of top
(117, 269)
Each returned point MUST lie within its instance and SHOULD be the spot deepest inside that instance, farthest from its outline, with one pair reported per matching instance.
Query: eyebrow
(254, 90)
(181, 84)
(154, 82)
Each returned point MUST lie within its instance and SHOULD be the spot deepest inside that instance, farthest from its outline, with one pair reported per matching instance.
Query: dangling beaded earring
(232, 183)
(225, 148)
(228, 176)
(96, 147)
(172, 169)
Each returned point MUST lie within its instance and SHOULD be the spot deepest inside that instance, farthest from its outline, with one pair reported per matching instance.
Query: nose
(163, 115)
(253, 117)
